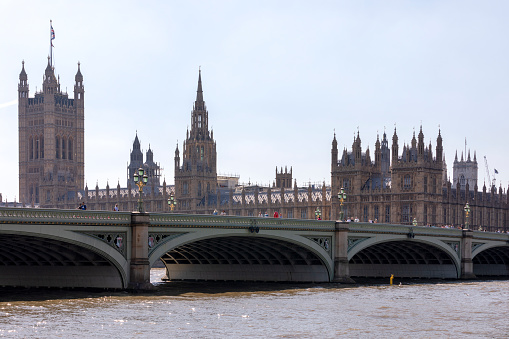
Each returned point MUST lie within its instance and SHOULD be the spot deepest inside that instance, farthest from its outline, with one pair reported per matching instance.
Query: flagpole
(50, 43)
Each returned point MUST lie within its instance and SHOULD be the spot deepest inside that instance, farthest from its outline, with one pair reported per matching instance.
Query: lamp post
(467, 212)
(342, 198)
(318, 214)
(140, 179)
(172, 202)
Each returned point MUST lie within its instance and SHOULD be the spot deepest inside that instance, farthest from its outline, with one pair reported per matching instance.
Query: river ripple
(216, 310)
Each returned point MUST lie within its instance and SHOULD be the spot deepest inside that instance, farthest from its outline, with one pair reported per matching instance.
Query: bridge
(97, 249)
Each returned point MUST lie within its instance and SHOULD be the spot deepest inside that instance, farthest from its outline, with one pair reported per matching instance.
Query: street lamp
(318, 214)
(140, 179)
(342, 198)
(467, 212)
(172, 202)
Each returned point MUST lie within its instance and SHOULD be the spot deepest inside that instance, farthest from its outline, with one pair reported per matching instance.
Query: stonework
(51, 141)
(399, 186)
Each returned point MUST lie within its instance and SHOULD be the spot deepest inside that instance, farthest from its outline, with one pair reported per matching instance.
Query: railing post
(467, 266)
(341, 270)
(139, 264)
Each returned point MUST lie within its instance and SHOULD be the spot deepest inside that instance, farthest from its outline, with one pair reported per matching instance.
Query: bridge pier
(139, 275)
(341, 270)
(467, 266)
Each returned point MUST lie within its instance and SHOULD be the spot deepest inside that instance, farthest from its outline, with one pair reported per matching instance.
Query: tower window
(57, 147)
(31, 151)
(407, 183)
(37, 148)
(64, 148)
(199, 120)
(42, 146)
(70, 150)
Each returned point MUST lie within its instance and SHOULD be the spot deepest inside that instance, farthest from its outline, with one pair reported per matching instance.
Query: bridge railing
(401, 229)
(57, 216)
(199, 220)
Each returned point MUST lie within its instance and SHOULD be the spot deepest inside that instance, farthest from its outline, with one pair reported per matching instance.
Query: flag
(496, 172)
(52, 35)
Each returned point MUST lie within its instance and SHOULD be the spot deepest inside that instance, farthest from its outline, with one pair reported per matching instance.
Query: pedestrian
(84, 206)
(276, 214)
(80, 206)
(115, 208)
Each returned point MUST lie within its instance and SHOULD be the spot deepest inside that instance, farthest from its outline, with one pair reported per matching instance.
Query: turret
(23, 85)
(439, 149)
(177, 158)
(334, 153)
(420, 146)
(79, 89)
(394, 148)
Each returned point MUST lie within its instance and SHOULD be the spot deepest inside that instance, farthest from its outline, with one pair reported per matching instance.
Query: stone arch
(381, 256)
(491, 260)
(60, 258)
(240, 255)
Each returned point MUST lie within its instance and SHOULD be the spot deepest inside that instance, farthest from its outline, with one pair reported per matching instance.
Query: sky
(279, 79)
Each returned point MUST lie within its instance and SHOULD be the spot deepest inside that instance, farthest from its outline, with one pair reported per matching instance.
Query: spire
(23, 74)
(199, 92)
(136, 143)
(79, 76)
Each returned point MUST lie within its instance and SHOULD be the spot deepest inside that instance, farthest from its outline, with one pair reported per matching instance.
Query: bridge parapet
(54, 216)
(491, 236)
(196, 220)
(377, 228)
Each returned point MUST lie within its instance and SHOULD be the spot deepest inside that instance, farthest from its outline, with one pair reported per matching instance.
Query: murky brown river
(218, 310)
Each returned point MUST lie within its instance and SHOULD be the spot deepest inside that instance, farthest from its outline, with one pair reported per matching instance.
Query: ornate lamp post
(467, 212)
(172, 202)
(318, 214)
(342, 198)
(140, 179)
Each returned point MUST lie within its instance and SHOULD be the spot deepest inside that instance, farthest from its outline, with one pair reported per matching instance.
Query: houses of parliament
(400, 184)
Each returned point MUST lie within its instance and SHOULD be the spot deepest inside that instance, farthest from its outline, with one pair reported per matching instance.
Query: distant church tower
(152, 169)
(196, 179)
(51, 141)
(464, 171)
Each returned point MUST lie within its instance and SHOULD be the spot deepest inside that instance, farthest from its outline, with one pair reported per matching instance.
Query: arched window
(70, 150)
(462, 180)
(64, 148)
(199, 120)
(31, 148)
(57, 147)
(201, 154)
(407, 183)
(37, 147)
(42, 146)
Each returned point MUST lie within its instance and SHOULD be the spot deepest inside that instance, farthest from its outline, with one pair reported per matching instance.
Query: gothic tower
(51, 141)
(465, 171)
(136, 161)
(196, 179)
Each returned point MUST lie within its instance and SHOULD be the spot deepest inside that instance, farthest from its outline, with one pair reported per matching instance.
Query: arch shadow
(404, 258)
(242, 257)
(32, 260)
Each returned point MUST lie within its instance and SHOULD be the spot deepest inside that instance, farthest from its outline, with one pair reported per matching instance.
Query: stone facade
(413, 191)
(51, 141)
(398, 186)
(464, 171)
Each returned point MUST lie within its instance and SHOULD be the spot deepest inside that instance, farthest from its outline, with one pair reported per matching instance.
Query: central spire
(199, 92)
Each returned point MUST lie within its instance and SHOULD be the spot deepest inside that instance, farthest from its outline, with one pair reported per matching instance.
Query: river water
(475, 309)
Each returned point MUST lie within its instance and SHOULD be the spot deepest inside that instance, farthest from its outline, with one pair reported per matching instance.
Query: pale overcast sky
(279, 77)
